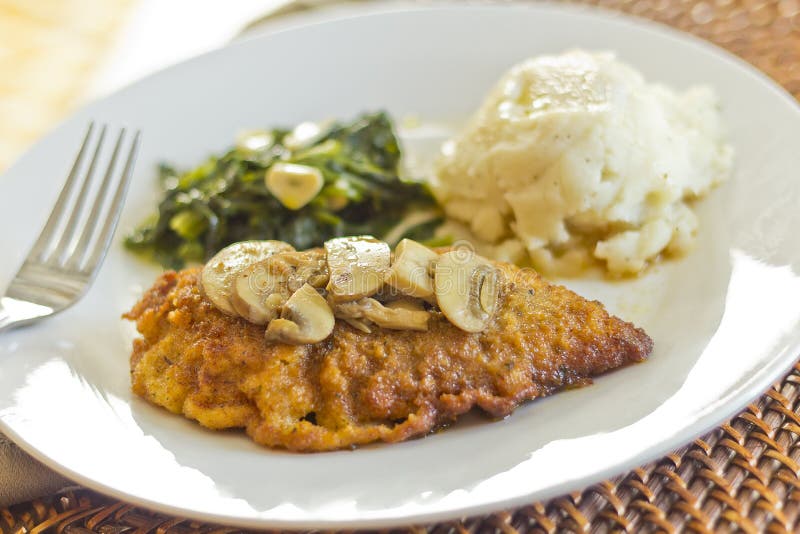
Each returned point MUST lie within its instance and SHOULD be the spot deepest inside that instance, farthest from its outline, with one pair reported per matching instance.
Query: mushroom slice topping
(219, 272)
(357, 266)
(411, 270)
(358, 324)
(261, 289)
(392, 318)
(305, 318)
(259, 292)
(293, 185)
(405, 303)
(467, 289)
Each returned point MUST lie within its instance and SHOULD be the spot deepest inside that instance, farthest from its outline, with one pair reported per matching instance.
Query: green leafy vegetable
(225, 199)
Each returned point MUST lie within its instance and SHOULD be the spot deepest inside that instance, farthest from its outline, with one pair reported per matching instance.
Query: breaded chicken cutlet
(356, 387)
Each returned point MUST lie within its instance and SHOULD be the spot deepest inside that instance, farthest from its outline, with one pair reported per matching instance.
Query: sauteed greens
(227, 198)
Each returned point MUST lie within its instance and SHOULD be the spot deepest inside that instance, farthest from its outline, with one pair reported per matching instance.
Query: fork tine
(73, 223)
(51, 226)
(39, 288)
(94, 221)
(114, 210)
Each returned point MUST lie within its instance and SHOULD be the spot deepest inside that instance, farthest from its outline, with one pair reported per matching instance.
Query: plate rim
(736, 400)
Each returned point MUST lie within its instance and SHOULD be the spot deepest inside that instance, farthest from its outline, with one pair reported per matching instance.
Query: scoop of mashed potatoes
(575, 158)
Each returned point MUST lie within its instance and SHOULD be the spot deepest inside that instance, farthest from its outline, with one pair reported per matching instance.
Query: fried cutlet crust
(355, 388)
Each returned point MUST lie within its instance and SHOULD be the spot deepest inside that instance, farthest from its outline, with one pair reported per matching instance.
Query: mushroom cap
(357, 266)
(258, 293)
(218, 274)
(467, 289)
(261, 289)
(305, 318)
(411, 269)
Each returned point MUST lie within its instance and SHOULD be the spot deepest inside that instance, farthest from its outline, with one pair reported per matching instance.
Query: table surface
(742, 476)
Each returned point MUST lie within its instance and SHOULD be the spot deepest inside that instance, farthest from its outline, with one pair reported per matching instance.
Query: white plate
(724, 320)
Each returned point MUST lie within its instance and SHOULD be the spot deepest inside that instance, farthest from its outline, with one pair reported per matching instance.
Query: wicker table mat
(743, 476)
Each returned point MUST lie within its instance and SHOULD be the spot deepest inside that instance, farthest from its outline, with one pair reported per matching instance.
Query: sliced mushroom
(260, 290)
(357, 266)
(411, 270)
(358, 324)
(405, 303)
(467, 289)
(219, 272)
(259, 293)
(293, 185)
(489, 292)
(305, 318)
(392, 318)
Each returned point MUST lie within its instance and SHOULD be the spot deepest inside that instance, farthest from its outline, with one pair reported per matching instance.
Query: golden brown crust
(355, 388)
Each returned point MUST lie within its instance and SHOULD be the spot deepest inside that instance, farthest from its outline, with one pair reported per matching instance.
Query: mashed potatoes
(575, 158)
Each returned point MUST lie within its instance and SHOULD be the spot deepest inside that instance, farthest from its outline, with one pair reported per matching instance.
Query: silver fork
(63, 262)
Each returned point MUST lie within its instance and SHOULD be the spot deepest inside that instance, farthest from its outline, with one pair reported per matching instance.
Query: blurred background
(56, 54)
(48, 51)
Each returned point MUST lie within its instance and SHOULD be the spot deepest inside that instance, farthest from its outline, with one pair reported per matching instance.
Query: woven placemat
(743, 476)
